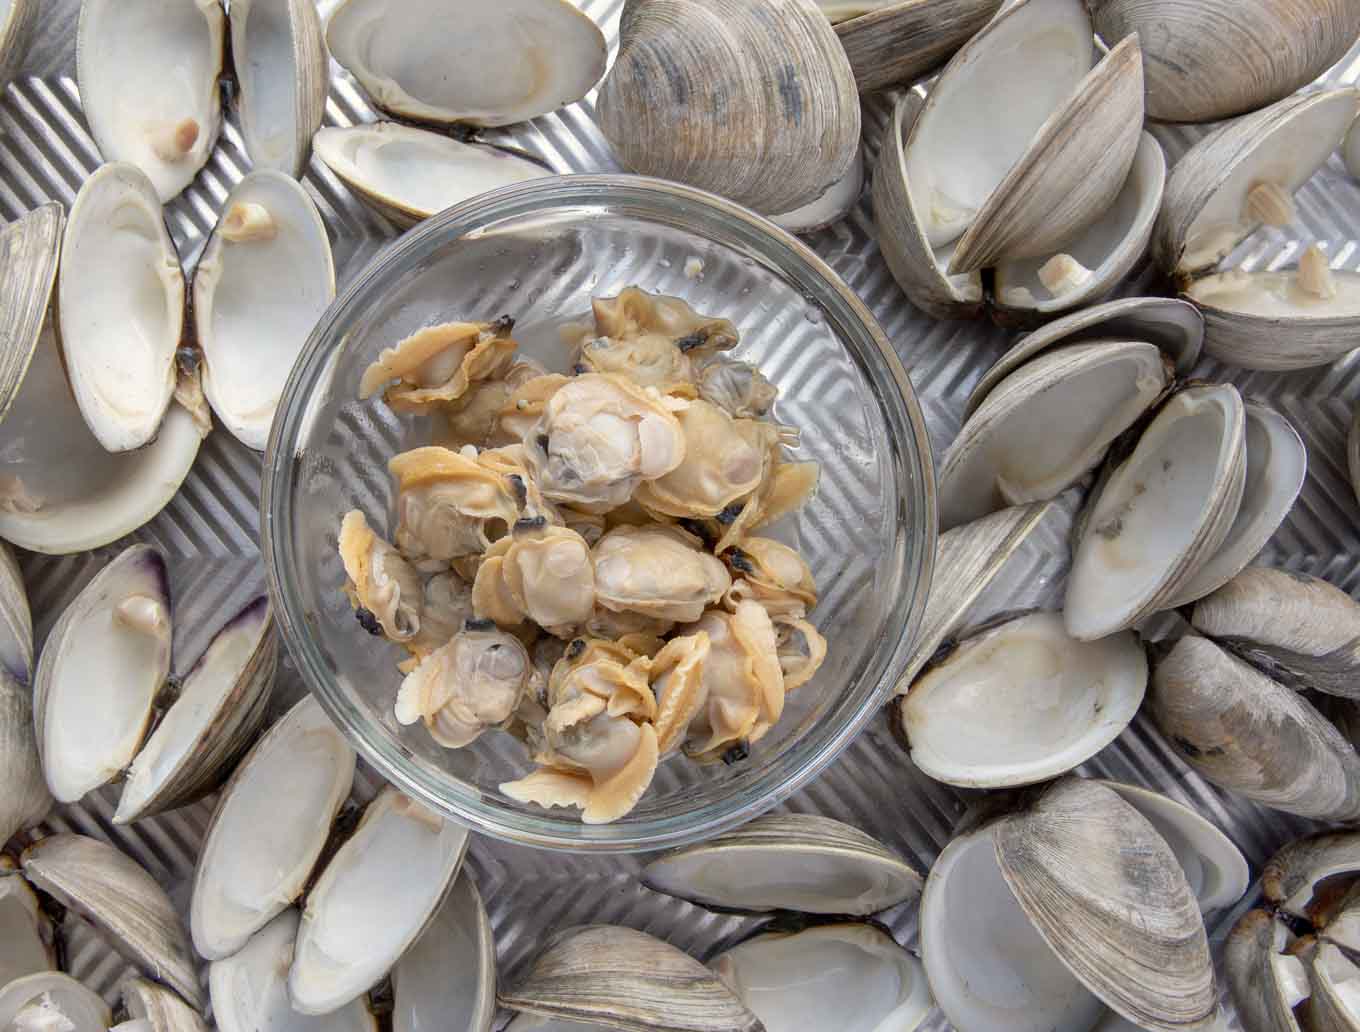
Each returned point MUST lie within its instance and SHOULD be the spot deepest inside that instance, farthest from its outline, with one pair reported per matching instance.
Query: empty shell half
(16, 621)
(17, 24)
(264, 279)
(1265, 979)
(409, 174)
(165, 124)
(283, 73)
(788, 862)
(50, 1000)
(1021, 703)
(27, 944)
(466, 61)
(262, 844)
(120, 302)
(29, 250)
(27, 799)
(449, 974)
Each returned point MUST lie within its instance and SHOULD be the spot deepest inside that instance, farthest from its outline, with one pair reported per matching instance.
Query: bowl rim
(396, 767)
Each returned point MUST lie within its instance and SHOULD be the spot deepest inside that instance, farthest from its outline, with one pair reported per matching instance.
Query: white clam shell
(166, 127)
(161, 1009)
(26, 799)
(257, 298)
(1265, 983)
(80, 1006)
(29, 249)
(16, 622)
(17, 25)
(26, 935)
(1334, 1005)
(449, 974)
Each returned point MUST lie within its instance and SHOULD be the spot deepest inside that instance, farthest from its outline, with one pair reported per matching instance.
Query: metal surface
(210, 533)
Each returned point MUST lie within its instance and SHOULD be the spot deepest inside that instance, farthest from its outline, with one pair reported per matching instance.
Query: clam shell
(1159, 515)
(450, 972)
(1333, 1006)
(220, 708)
(16, 622)
(1107, 894)
(257, 298)
(1248, 734)
(1072, 170)
(85, 1011)
(1106, 250)
(529, 57)
(283, 832)
(967, 560)
(376, 896)
(1350, 150)
(1010, 453)
(833, 869)
(123, 48)
(16, 32)
(1338, 921)
(1353, 453)
(100, 672)
(29, 249)
(899, 42)
(602, 974)
(369, 159)
(1295, 627)
(1174, 326)
(1294, 878)
(26, 799)
(1277, 463)
(120, 300)
(1022, 703)
(1214, 867)
(831, 207)
(123, 902)
(26, 935)
(1212, 59)
(283, 73)
(159, 1007)
(1264, 983)
(918, 268)
(752, 99)
(1205, 212)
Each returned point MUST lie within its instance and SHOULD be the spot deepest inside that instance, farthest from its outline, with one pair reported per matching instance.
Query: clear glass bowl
(539, 251)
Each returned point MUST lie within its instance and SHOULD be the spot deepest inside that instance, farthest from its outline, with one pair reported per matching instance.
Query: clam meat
(474, 682)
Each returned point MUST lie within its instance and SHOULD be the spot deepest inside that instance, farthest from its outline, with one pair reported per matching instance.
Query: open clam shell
(1301, 878)
(625, 979)
(1334, 1005)
(409, 174)
(153, 1008)
(283, 73)
(1249, 734)
(51, 996)
(693, 96)
(1094, 261)
(220, 707)
(800, 862)
(1010, 452)
(262, 844)
(1021, 703)
(26, 935)
(29, 250)
(17, 24)
(1214, 867)
(1160, 514)
(120, 300)
(967, 560)
(449, 974)
(1266, 983)
(920, 268)
(900, 40)
(249, 989)
(1030, 922)
(1297, 628)
(104, 663)
(1277, 463)
(435, 61)
(1207, 58)
(165, 126)
(26, 799)
(123, 902)
(264, 279)
(1244, 174)
(1174, 326)
(781, 977)
(16, 621)
(374, 898)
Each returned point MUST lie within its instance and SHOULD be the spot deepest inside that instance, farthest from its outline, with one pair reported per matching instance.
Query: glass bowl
(539, 251)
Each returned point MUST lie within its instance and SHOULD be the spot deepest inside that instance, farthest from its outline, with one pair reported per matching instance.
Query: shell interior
(257, 296)
(25, 934)
(449, 975)
(100, 671)
(1277, 295)
(1022, 703)
(417, 172)
(148, 73)
(1164, 507)
(372, 901)
(283, 72)
(249, 989)
(465, 61)
(833, 978)
(989, 968)
(263, 843)
(57, 999)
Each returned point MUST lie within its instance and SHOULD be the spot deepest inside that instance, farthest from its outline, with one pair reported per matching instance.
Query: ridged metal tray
(210, 531)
